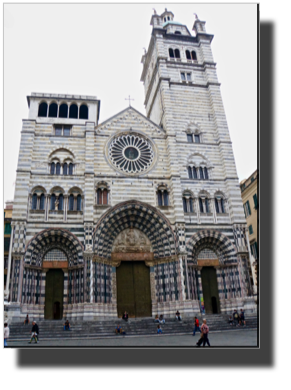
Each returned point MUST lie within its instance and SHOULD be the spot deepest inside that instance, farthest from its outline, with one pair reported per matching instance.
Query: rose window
(131, 153)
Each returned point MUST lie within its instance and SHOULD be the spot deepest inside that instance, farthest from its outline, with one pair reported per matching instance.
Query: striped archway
(214, 240)
(51, 238)
(139, 215)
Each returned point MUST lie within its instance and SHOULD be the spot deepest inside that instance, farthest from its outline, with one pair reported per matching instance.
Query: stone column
(199, 287)
(181, 280)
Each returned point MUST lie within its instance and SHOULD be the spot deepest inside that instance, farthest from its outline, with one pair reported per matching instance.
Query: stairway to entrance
(53, 329)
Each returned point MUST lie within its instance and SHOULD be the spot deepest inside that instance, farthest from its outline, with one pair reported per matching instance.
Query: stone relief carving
(131, 240)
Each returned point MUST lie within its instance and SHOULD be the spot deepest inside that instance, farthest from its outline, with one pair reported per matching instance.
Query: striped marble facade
(180, 239)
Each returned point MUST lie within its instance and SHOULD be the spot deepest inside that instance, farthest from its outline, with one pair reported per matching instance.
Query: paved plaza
(239, 338)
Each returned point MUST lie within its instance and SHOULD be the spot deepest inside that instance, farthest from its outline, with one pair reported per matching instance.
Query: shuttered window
(255, 201)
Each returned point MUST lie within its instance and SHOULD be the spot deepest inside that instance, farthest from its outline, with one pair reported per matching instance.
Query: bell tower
(182, 90)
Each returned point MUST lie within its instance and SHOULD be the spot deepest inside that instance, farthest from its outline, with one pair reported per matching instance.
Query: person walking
(205, 331)
(6, 334)
(34, 332)
(196, 326)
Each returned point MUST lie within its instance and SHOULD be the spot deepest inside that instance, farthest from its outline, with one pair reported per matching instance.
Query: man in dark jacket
(34, 332)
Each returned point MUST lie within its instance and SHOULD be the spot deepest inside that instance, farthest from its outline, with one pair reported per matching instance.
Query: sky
(96, 49)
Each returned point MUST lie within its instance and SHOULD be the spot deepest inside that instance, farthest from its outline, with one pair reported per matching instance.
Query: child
(159, 330)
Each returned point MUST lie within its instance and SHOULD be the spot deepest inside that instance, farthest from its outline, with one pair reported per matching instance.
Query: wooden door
(54, 290)
(210, 290)
(133, 289)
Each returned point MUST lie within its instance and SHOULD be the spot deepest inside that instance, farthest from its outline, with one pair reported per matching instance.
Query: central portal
(133, 289)
(54, 290)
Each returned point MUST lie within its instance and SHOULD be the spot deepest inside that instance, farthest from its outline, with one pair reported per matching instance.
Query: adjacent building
(249, 193)
(141, 213)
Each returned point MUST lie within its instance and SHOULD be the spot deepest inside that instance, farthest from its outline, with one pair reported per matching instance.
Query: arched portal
(136, 232)
(53, 272)
(212, 265)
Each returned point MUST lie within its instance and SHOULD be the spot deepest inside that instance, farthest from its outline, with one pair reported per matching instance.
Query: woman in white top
(6, 334)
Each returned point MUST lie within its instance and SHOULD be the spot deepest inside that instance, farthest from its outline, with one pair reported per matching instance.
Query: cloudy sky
(96, 49)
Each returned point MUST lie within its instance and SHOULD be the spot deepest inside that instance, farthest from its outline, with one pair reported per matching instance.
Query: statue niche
(131, 240)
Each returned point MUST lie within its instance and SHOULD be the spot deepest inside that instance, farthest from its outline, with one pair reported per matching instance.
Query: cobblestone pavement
(240, 338)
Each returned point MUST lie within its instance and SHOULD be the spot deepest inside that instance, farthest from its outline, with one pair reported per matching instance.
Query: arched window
(83, 112)
(206, 205)
(34, 202)
(195, 173)
(197, 138)
(71, 169)
(166, 198)
(61, 202)
(71, 202)
(177, 53)
(216, 205)
(53, 201)
(190, 173)
(160, 198)
(99, 196)
(190, 138)
(105, 196)
(79, 202)
(185, 205)
(65, 169)
(178, 32)
(171, 53)
(188, 55)
(63, 113)
(206, 173)
(52, 168)
(58, 168)
(201, 173)
(41, 202)
(219, 205)
(201, 205)
(73, 111)
(53, 110)
(188, 203)
(222, 205)
(193, 55)
(42, 109)
(163, 197)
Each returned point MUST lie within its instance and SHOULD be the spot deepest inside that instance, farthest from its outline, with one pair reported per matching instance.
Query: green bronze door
(210, 290)
(133, 289)
(54, 290)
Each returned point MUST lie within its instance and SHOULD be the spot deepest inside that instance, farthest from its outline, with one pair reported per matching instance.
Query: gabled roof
(137, 112)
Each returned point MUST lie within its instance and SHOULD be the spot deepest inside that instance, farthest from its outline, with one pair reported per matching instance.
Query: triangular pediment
(128, 119)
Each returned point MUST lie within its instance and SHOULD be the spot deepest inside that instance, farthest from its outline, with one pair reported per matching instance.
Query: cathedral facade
(140, 213)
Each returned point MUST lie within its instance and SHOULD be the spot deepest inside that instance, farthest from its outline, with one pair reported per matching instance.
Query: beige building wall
(249, 191)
